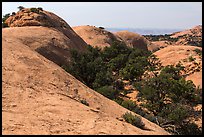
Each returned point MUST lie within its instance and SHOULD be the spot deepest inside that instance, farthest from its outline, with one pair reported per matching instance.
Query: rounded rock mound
(35, 17)
(96, 37)
(133, 40)
(45, 33)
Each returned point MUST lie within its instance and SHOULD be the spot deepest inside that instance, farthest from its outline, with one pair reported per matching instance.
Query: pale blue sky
(168, 15)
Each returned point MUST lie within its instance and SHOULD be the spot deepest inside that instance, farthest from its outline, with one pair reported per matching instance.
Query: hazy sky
(121, 14)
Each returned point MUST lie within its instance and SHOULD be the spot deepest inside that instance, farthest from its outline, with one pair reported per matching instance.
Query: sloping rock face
(191, 36)
(133, 40)
(39, 97)
(46, 33)
(171, 55)
(195, 31)
(96, 37)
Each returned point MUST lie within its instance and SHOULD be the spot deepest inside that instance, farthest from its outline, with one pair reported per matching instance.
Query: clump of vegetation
(5, 17)
(109, 92)
(165, 37)
(168, 97)
(13, 13)
(198, 51)
(134, 120)
(98, 68)
(83, 101)
(39, 8)
(191, 59)
(35, 10)
(101, 28)
(20, 7)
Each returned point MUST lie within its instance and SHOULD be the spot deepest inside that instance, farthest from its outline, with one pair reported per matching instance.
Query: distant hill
(133, 40)
(145, 31)
(189, 37)
(96, 37)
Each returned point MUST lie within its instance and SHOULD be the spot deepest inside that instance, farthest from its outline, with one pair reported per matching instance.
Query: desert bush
(20, 7)
(198, 51)
(101, 28)
(39, 8)
(108, 92)
(189, 128)
(13, 13)
(134, 120)
(35, 10)
(130, 105)
(83, 101)
(150, 117)
(5, 17)
(191, 59)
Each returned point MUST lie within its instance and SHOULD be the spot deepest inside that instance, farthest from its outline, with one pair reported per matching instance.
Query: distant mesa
(133, 40)
(45, 33)
(96, 37)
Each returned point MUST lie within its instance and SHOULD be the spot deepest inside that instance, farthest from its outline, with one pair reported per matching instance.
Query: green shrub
(21, 7)
(4, 25)
(150, 117)
(198, 51)
(130, 105)
(83, 101)
(189, 128)
(13, 13)
(35, 10)
(39, 8)
(101, 28)
(108, 92)
(5, 17)
(134, 120)
(191, 59)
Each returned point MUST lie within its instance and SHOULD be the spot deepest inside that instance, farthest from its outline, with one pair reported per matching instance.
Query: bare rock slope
(38, 97)
(96, 37)
(46, 33)
(191, 36)
(133, 40)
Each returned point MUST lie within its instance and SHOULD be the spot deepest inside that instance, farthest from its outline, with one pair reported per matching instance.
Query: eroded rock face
(28, 17)
(133, 40)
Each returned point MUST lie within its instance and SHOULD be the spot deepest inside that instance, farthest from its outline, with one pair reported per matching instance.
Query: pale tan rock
(96, 37)
(133, 40)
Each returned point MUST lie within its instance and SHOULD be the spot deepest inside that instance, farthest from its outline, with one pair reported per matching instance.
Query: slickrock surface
(96, 37)
(38, 97)
(133, 40)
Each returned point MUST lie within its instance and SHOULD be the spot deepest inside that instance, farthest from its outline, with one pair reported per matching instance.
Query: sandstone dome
(96, 37)
(45, 33)
(133, 40)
